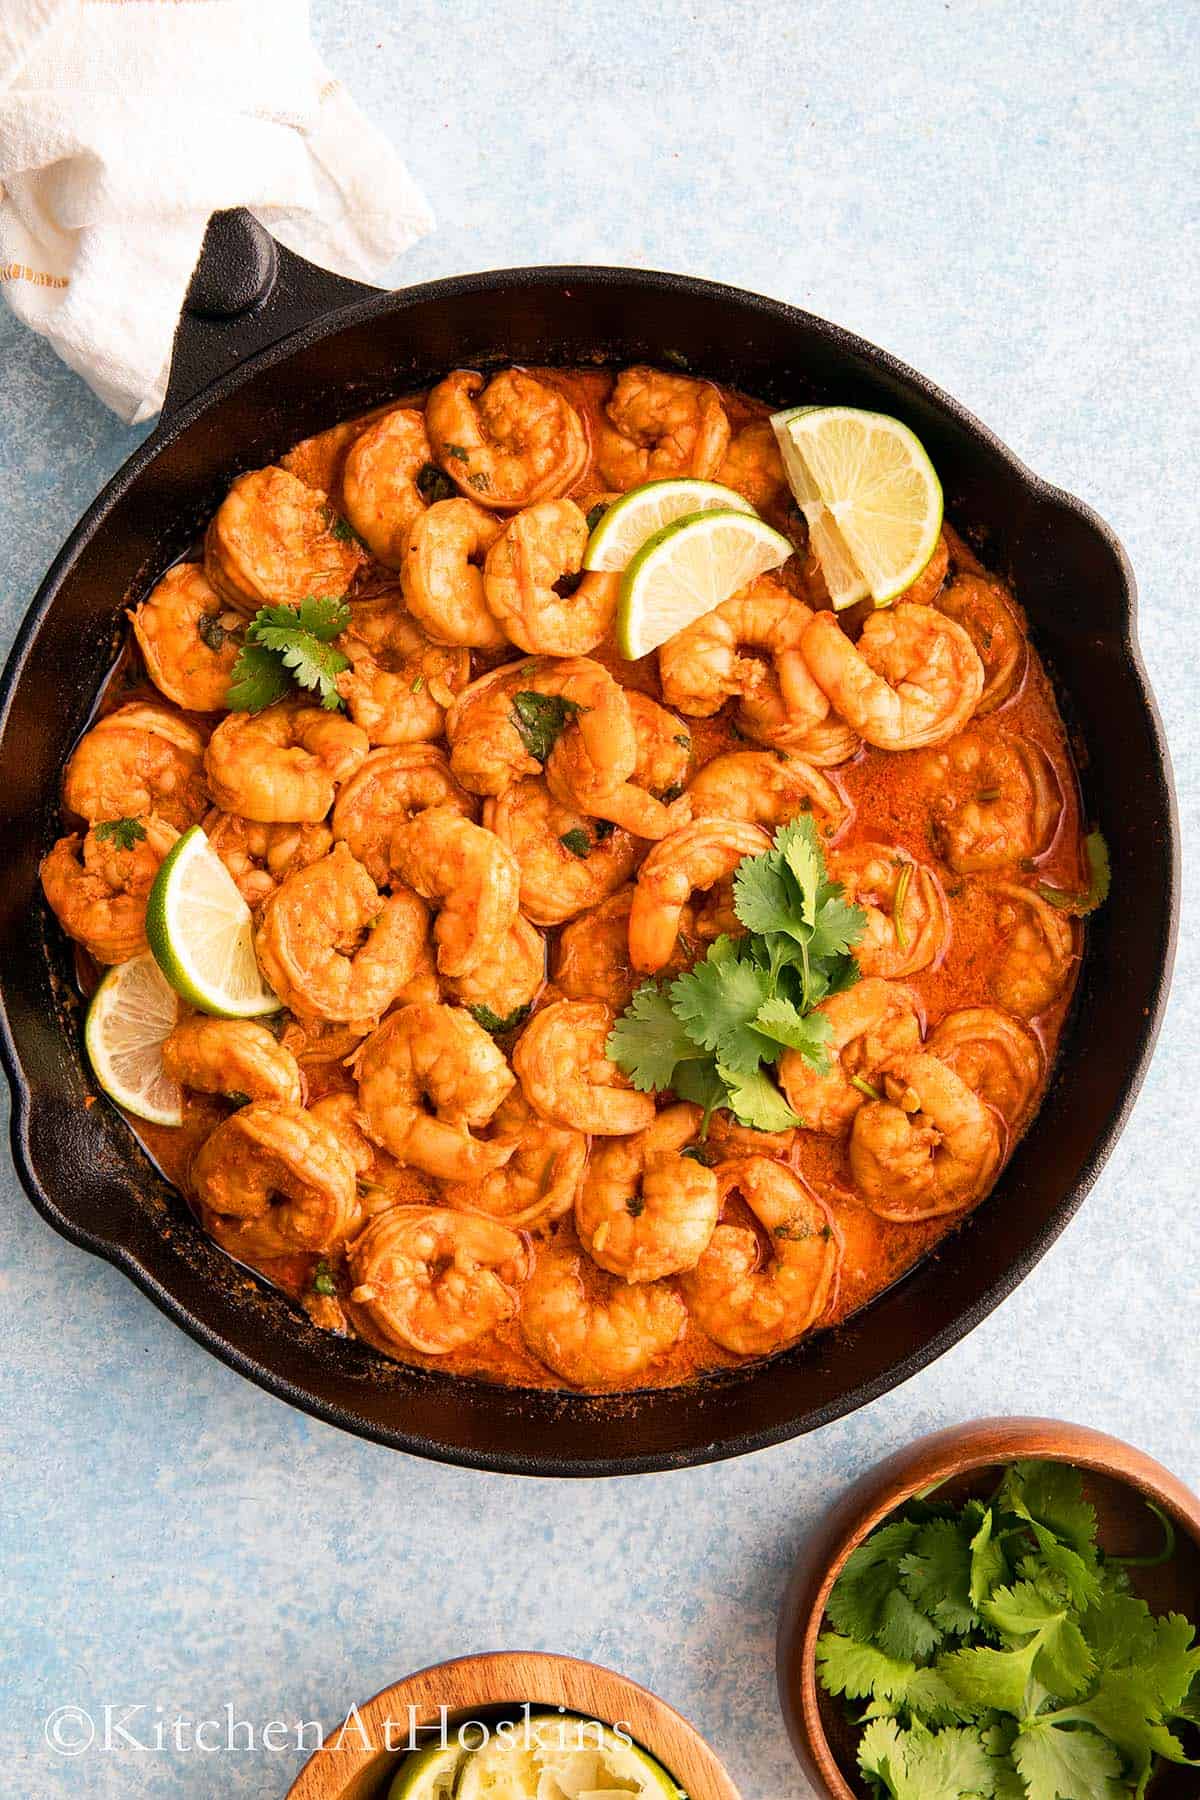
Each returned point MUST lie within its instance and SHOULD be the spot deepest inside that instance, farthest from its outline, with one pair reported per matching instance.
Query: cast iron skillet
(273, 349)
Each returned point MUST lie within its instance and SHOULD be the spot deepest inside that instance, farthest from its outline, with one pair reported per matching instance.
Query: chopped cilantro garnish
(541, 720)
(124, 833)
(434, 484)
(715, 1035)
(211, 632)
(1000, 1654)
(576, 841)
(1099, 881)
(596, 513)
(483, 1015)
(458, 453)
(323, 1281)
(285, 644)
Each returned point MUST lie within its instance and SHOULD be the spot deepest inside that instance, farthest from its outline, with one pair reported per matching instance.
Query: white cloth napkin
(124, 124)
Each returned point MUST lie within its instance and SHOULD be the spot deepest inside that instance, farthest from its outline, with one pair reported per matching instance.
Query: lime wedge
(132, 1011)
(202, 934)
(870, 494)
(429, 1774)
(637, 515)
(689, 567)
(561, 1753)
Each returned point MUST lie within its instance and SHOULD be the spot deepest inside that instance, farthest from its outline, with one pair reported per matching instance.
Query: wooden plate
(473, 1685)
(1118, 1480)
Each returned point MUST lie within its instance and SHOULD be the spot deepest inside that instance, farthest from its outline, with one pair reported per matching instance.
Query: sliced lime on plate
(687, 569)
(202, 934)
(562, 1753)
(870, 494)
(637, 515)
(429, 1774)
(131, 1012)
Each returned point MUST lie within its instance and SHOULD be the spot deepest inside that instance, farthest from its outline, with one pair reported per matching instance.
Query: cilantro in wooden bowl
(1003, 1612)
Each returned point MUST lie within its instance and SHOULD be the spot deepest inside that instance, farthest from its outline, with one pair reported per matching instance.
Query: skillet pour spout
(272, 350)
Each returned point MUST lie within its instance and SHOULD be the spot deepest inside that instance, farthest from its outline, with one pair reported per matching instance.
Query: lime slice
(870, 494)
(202, 934)
(562, 1753)
(689, 567)
(429, 1774)
(637, 515)
(132, 1011)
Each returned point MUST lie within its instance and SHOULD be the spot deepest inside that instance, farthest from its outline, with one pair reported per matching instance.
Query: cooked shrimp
(399, 684)
(539, 1182)
(764, 788)
(392, 786)
(744, 1305)
(753, 466)
(379, 482)
(689, 861)
(601, 1335)
(333, 947)
(378, 1176)
(533, 587)
(274, 541)
(1040, 950)
(279, 1180)
(443, 574)
(657, 425)
(735, 1139)
(997, 1055)
(912, 679)
(562, 1064)
(432, 1280)
(259, 856)
(284, 764)
(510, 981)
(928, 584)
(592, 959)
(651, 804)
(779, 701)
(928, 1146)
(995, 800)
(470, 878)
(138, 759)
(97, 889)
(487, 749)
(516, 441)
(492, 744)
(189, 639)
(645, 1210)
(871, 1023)
(233, 1057)
(908, 924)
(439, 1054)
(986, 614)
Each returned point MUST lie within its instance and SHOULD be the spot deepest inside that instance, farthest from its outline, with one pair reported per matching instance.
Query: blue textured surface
(1004, 203)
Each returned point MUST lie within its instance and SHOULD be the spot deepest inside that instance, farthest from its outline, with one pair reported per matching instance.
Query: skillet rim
(172, 425)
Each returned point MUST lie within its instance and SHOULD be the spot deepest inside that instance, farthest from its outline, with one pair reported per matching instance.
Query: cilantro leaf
(869, 1575)
(926, 1765)
(808, 1033)
(259, 679)
(1051, 1493)
(860, 1672)
(763, 897)
(1064, 1765)
(576, 841)
(1064, 1662)
(124, 833)
(322, 618)
(985, 1679)
(718, 1002)
(989, 1565)
(755, 1100)
(541, 719)
(314, 663)
(648, 1041)
(936, 1575)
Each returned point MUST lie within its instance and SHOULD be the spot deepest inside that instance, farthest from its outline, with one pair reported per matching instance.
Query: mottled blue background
(1000, 195)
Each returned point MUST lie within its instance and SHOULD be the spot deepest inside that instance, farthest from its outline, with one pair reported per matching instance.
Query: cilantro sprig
(714, 1035)
(124, 833)
(994, 1650)
(286, 646)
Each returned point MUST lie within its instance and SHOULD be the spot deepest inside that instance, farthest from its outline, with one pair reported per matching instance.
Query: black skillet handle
(247, 292)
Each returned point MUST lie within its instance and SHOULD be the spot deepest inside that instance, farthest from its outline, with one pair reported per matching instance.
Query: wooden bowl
(1117, 1479)
(497, 1684)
